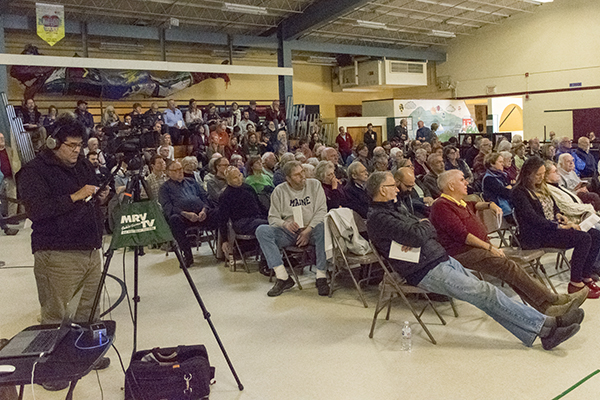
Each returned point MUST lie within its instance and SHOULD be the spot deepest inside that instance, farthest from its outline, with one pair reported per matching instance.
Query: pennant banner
(50, 21)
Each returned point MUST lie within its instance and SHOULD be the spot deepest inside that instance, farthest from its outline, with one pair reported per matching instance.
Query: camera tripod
(133, 193)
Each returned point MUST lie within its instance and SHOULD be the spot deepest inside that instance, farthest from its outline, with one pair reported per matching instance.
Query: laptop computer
(35, 342)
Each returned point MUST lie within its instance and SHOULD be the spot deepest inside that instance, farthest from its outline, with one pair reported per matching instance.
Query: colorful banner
(50, 21)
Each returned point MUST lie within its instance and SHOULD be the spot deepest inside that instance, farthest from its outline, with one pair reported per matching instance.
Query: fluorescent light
(359, 90)
(245, 9)
(443, 34)
(371, 24)
(321, 60)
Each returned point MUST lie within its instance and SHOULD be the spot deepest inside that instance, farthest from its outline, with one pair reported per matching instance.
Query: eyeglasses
(389, 185)
(176, 170)
(74, 146)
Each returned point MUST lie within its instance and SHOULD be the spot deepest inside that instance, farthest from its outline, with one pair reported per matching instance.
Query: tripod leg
(108, 257)
(136, 297)
(206, 315)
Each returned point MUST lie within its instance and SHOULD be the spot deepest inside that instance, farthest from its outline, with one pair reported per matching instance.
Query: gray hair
(562, 158)
(313, 161)
(190, 160)
(309, 170)
(420, 151)
(506, 154)
(289, 166)
(322, 168)
(375, 181)
(267, 155)
(285, 158)
(504, 146)
(446, 177)
(395, 150)
(352, 169)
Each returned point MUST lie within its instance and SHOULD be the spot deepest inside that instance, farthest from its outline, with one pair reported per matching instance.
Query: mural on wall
(106, 84)
(452, 116)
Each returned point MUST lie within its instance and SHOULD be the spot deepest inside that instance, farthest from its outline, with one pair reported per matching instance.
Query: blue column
(284, 59)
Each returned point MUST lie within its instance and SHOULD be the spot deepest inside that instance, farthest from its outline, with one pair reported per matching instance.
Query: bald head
(447, 178)
(583, 143)
(405, 179)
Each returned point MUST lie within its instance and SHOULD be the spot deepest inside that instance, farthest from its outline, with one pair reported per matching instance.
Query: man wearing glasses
(59, 189)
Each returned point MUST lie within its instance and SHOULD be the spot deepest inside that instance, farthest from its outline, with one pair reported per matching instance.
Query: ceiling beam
(317, 15)
(16, 22)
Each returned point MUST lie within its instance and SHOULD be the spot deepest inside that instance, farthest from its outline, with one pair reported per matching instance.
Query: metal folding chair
(233, 239)
(393, 284)
(344, 260)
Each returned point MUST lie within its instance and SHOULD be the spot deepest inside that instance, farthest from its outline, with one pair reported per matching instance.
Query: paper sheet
(297, 212)
(589, 222)
(412, 255)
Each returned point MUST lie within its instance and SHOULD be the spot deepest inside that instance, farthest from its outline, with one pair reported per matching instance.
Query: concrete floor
(302, 346)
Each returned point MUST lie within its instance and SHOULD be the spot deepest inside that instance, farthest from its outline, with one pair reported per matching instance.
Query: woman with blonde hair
(110, 117)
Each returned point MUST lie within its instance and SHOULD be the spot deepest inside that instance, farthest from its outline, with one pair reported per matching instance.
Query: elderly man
(436, 167)
(152, 116)
(585, 163)
(175, 122)
(465, 238)
(356, 198)
(570, 181)
(239, 203)
(438, 273)
(269, 162)
(564, 146)
(408, 198)
(10, 164)
(296, 197)
(344, 142)
(485, 148)
(185, 204)
(331, 154)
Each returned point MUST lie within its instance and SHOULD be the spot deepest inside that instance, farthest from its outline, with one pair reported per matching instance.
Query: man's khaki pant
(59, 274)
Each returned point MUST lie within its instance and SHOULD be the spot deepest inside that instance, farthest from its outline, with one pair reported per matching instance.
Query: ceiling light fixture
(463, 24)
(245, 9)
(371, 24)
(322, 60)
(443, 34)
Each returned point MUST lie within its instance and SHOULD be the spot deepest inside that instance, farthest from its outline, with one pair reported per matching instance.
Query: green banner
(140, 224)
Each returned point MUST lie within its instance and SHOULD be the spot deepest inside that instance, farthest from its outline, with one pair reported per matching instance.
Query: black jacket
(45, 185)
(237, 203)
(386, 223)
(356, 199)
(533, 225)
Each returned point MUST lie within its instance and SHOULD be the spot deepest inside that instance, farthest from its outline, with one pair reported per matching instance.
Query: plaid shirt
(154, 183)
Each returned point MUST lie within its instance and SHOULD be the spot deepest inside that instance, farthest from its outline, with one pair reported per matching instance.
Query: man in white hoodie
(296, 218)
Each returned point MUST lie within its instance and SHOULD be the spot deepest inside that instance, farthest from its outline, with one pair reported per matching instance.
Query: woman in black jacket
(496, 185)
(541, 225)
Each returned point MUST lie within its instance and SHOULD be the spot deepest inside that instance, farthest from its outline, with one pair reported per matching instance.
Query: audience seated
(570, 181)
(110, 117)
(485, 148)
(518, 151)
(85, 117)
(436, 167)
(256, 177)
(496, 184)
(564, 146)
(452, 160)
(252, 147)
(569, 204)
(165, 142)
(420, 163)
(32, 122)
(279, 175)
(472, 151)
(239, 204)
(157, 176)
(269, 162)
(94, 145)
(332, 155)
(185, 205)
(356, 197)
(284, 231)
(541, 225)
(509, 166)
(548, 152)
(534, 148)
(465, 238)
(50, 119)
(437, 272)
(190, 168)
(407, 197)
(334, 192)
(174, 121)
(217, 182)
(585, 163)
(101, 172)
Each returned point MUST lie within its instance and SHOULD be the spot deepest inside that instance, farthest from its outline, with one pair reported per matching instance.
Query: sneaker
(101, 364)
(280, 286)
(322, 286)
(10, 231)
(56, 385)
(559, 335)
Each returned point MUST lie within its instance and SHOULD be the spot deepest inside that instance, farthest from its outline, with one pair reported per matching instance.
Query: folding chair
(561, 259)
(343, 260)
(304, 255)
(198, 235)
(393, 284)
(233, 238)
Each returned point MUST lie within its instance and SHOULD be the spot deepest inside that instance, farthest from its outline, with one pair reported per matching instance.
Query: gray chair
(233, 239)
(394, 285)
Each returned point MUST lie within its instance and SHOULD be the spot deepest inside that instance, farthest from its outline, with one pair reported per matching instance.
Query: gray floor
(302, 346)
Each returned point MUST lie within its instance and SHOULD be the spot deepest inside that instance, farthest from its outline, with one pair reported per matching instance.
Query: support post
(163, 45)
(286, 83)
(4, 123)
(84, 38)
(230, 46)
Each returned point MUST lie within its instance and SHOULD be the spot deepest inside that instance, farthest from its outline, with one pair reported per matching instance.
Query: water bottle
(406, 337)
(231, 262)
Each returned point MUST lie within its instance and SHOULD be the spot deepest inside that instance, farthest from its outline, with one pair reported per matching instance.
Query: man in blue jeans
(298, 209)
(437, 272)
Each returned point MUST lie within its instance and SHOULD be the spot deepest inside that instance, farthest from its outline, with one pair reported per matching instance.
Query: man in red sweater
(465, 238)
(344, 142)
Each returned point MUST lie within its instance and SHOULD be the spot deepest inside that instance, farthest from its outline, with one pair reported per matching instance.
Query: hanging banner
(50, 21)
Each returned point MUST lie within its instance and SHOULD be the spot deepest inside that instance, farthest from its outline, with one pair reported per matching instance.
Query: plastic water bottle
(406, 337)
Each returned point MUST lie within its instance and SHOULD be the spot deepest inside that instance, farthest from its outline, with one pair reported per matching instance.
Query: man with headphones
(59, 189)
